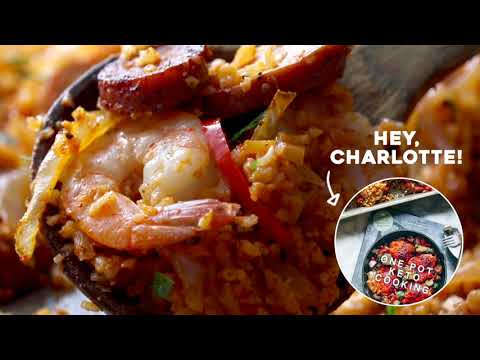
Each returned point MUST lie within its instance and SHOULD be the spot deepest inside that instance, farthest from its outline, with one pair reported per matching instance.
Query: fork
(451, 241)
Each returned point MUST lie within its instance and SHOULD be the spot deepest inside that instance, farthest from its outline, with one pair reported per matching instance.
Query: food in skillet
(155, 211)
(31, 77)
(447, 117)
(404, 271)
(387, 190)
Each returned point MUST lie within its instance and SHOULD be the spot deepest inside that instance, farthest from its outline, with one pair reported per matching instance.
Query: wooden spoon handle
(386, 79)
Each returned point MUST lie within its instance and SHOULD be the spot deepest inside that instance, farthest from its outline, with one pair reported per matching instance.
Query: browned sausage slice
(157, 79)
(284, 67)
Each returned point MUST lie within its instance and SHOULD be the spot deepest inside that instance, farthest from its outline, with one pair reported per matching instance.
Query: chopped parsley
(449, 103)
(251, 126)
(452, 107)
(253, 165)
(19, 62)
(390, 310)
(162, 285)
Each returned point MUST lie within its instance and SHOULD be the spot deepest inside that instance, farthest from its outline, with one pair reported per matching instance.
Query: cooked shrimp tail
(115, 221)
(182, 221)
(189, 213)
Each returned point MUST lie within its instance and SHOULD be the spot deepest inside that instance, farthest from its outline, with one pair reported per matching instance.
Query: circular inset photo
(399, 241)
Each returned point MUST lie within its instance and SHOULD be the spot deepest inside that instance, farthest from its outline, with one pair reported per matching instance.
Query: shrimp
(447, 118)
(115, 190)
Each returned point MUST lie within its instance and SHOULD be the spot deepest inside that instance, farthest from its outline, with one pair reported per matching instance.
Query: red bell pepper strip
(238, 182)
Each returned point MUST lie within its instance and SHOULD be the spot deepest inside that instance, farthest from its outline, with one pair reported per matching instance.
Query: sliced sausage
(299, 68)
(128, 86)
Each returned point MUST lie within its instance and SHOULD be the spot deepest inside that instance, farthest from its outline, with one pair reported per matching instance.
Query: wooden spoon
(386, 80)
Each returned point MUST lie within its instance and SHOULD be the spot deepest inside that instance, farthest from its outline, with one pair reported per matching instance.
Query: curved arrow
(333, 200)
